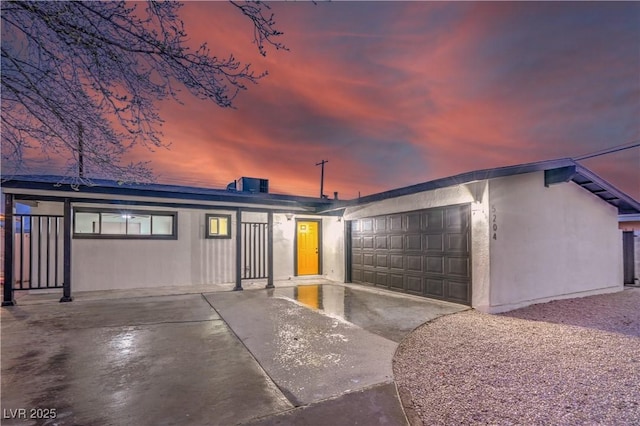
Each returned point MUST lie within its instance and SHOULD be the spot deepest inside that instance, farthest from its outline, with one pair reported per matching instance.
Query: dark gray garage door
(425, 252)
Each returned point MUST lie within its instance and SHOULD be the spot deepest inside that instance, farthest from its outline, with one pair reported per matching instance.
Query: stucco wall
(100, 264)
(283, 234)
(333, 248)
(192, 259)
(284, 250)
(475, 193)
(550, 243)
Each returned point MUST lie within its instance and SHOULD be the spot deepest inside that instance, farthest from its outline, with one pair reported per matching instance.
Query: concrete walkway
(254, 357)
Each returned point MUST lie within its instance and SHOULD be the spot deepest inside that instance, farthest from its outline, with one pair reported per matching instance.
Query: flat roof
(556, 171)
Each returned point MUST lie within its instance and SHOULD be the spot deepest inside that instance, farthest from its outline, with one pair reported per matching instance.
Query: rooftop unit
(248, 184)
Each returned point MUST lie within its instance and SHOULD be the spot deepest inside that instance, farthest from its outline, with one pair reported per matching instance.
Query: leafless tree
(81, 80)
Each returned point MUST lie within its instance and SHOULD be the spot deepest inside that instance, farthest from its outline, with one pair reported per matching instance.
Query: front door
(308, 247)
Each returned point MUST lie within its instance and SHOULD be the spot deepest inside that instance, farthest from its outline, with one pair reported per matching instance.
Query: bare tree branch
(102, 67)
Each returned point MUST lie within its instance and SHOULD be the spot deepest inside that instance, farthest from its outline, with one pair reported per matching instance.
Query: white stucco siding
(474, 193)
(283, 235)
(457, 194)
(284, 246)
(550, 243)
(192, 259)
(333, 248)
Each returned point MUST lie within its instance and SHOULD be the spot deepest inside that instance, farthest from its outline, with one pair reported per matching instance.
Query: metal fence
(38, 251)
(254, 250)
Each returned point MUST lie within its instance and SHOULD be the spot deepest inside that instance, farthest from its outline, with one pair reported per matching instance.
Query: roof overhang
(555, 171)
(29, 188)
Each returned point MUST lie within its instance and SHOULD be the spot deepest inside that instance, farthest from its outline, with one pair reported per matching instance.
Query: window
(218, 226)
(107, 223)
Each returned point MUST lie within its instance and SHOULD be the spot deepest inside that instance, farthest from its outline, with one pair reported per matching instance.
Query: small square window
(218, 226)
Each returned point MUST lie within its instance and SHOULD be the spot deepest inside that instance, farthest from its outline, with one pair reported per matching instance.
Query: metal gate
(38, 251)
(628, 256)
(254, 250)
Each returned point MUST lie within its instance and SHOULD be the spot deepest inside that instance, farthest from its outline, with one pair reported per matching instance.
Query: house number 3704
(494, 222)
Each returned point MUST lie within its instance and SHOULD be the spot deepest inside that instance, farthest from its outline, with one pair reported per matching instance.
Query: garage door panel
(396, 242)
(367, 259)
(434, 242)
(357, 242)
(457, 242)
(457, 217)
(434, 264)
(395, 222)
(434, 287)
(453, 218)
(433, 220)
(381, 242)
(414, 283)
(413, 222)
(425, 252)
(457, 266)
(457, 291)
(396, 261)
(413, 242)
(396, 281)
(381, 278)
(413, 263)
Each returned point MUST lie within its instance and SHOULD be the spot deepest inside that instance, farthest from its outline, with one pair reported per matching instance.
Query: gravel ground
(570, 362)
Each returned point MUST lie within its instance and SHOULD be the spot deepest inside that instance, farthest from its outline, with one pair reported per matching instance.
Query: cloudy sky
(396, 93)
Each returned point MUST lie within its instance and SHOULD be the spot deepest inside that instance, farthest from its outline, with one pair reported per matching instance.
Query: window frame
(208, 217)
(151, 213)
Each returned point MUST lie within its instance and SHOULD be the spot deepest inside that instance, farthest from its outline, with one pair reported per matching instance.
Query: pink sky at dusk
(397, 93)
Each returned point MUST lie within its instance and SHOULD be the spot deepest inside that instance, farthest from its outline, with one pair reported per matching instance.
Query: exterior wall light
(289, 216)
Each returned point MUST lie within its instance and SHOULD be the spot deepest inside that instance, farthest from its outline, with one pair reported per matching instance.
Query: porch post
(347, 251)
(270, 250)
(238, 286)
(66, 285)
(7, 299)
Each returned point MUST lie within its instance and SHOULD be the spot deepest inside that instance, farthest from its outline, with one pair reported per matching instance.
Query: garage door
(425, 252)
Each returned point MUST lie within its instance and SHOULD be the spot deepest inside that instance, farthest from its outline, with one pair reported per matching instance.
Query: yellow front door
(308, 248)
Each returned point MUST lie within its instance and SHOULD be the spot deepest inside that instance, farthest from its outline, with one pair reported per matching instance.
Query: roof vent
(247, 184)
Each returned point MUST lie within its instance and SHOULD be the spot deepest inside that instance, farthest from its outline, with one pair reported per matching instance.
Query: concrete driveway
(297, 355)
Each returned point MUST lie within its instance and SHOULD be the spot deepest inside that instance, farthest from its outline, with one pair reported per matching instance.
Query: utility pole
(80, 152)
(322, 177)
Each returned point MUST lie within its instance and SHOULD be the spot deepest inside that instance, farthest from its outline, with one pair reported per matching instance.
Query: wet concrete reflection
(388, 315)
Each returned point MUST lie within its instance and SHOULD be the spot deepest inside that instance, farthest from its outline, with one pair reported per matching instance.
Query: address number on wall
(494, 222)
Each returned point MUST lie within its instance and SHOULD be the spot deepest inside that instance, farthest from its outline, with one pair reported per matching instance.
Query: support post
(347, 251)
(7, 298)
(238, 286)
(270, 250)
(66, 285)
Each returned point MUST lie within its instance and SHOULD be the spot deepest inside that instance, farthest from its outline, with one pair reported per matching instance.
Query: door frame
(295, 245)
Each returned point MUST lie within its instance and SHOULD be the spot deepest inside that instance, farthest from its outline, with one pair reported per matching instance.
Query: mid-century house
(493, 239)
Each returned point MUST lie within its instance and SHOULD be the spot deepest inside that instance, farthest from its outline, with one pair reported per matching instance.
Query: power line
(629, 145)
